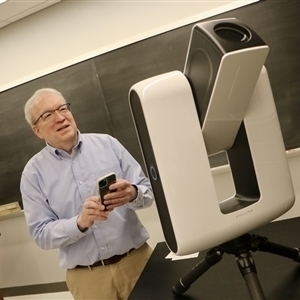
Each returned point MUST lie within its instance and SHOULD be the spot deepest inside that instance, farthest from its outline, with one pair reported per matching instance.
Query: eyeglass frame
(68, 105)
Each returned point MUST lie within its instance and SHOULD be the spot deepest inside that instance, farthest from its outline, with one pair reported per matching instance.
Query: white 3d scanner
(221, 102)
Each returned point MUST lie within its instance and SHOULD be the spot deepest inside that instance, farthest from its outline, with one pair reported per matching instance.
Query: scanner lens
(233, 32)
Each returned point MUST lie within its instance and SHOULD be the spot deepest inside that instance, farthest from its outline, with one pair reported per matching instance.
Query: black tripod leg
(262, 244)
(247, 267)
(212, 257)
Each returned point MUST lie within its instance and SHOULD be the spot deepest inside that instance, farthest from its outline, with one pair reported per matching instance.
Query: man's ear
(37, 131)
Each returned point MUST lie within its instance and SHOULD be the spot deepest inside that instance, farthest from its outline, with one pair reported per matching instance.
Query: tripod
(241, 247)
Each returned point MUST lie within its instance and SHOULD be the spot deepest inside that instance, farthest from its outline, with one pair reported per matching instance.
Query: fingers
(92, 210)
(121, 192)
(93, 207)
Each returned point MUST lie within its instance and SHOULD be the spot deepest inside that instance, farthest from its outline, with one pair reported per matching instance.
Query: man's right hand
(92, 210)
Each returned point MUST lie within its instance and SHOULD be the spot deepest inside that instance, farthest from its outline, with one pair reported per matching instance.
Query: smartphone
(103, 185)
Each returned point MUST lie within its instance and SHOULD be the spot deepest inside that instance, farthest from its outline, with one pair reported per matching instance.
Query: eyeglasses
(49, 115)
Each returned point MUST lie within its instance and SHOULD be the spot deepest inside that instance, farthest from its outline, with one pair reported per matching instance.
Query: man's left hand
(120, 193)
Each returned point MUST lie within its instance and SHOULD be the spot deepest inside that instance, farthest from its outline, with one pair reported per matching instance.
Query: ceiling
(14, 10)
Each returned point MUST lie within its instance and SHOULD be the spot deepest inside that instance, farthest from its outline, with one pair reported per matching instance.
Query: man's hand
(124, 192)
(92, 210)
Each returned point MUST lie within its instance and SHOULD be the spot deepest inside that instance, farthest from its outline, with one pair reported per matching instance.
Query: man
(104, 251)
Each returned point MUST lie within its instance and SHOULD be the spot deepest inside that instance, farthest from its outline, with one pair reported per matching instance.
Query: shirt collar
(58, 152)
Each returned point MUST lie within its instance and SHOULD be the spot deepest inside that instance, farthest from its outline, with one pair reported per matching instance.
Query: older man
(104, 251)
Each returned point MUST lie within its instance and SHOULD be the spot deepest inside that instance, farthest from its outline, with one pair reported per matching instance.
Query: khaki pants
(112, 282)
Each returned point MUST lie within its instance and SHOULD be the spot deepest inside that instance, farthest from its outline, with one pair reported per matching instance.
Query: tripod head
(221, 102)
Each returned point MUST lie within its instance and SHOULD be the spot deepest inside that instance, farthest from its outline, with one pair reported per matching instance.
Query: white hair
(34, 98)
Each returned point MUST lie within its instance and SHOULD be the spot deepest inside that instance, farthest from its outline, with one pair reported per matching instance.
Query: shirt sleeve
(47, 230)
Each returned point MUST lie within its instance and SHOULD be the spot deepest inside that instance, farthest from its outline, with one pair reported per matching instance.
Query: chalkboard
(98, 88)
(80, 86)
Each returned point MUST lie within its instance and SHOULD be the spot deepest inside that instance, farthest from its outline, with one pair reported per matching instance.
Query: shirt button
(80, 182)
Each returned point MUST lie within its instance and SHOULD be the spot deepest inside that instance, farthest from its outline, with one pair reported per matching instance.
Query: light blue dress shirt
(54, 185)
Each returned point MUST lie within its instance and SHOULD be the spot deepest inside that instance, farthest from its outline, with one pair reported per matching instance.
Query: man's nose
(58, 116)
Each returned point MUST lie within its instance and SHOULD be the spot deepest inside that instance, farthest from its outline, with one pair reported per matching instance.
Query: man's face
(61, 130)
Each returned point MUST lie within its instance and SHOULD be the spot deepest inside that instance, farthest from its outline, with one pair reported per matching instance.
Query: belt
(105, 262)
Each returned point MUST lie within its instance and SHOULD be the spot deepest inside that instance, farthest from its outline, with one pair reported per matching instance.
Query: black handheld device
(103, 184)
